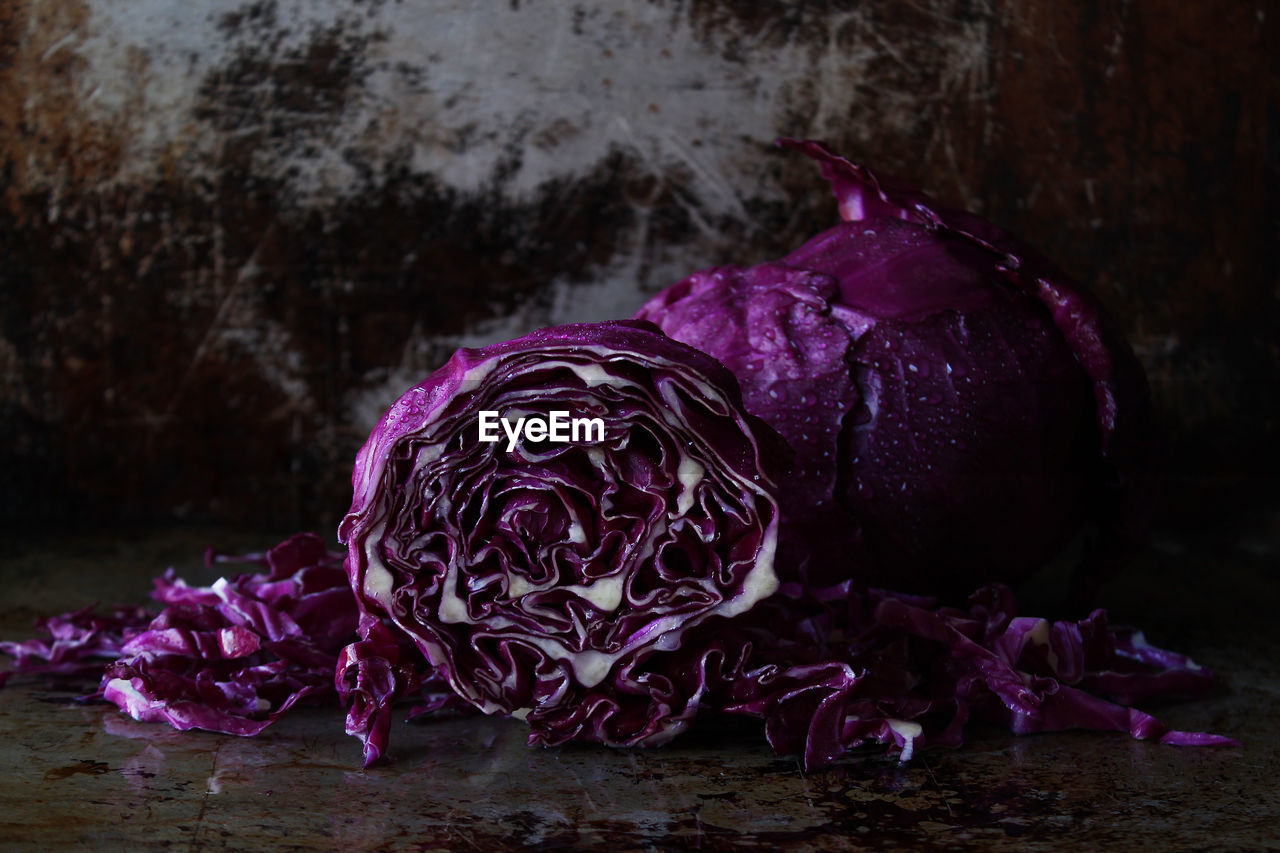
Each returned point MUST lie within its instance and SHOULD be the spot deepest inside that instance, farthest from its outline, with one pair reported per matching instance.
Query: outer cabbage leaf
(553, 581)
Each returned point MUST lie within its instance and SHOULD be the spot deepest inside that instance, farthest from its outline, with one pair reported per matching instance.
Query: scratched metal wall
(231, 232)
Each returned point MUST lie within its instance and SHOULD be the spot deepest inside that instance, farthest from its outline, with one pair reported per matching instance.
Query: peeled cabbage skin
(958, 409)
(560, 583)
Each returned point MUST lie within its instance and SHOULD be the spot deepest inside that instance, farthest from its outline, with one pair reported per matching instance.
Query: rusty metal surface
(87, 776)
(231, 231)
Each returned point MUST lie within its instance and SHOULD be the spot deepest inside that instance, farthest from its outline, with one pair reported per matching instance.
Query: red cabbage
(957, 408)
(947, 411)
(489, 560)
(553, 581)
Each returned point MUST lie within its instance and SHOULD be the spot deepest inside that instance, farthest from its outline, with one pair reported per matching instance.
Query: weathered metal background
(231, 232)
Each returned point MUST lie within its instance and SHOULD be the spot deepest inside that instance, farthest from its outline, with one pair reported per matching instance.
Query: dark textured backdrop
(231, 232)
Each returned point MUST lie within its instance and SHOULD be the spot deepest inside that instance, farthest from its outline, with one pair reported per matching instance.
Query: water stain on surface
(84, 767)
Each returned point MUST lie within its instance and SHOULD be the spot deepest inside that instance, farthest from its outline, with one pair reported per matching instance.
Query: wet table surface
(86, 776)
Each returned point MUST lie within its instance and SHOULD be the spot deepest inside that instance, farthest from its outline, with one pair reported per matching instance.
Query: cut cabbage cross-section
(543, 579)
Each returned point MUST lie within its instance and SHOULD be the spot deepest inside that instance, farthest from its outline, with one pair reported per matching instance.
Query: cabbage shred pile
(231, 657)
(804, 467)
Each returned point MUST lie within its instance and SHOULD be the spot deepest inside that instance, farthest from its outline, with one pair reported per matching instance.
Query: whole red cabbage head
(959, 410)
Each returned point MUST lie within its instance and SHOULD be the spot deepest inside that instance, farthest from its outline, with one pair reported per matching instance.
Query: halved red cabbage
(552, 581)
(958, 409)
